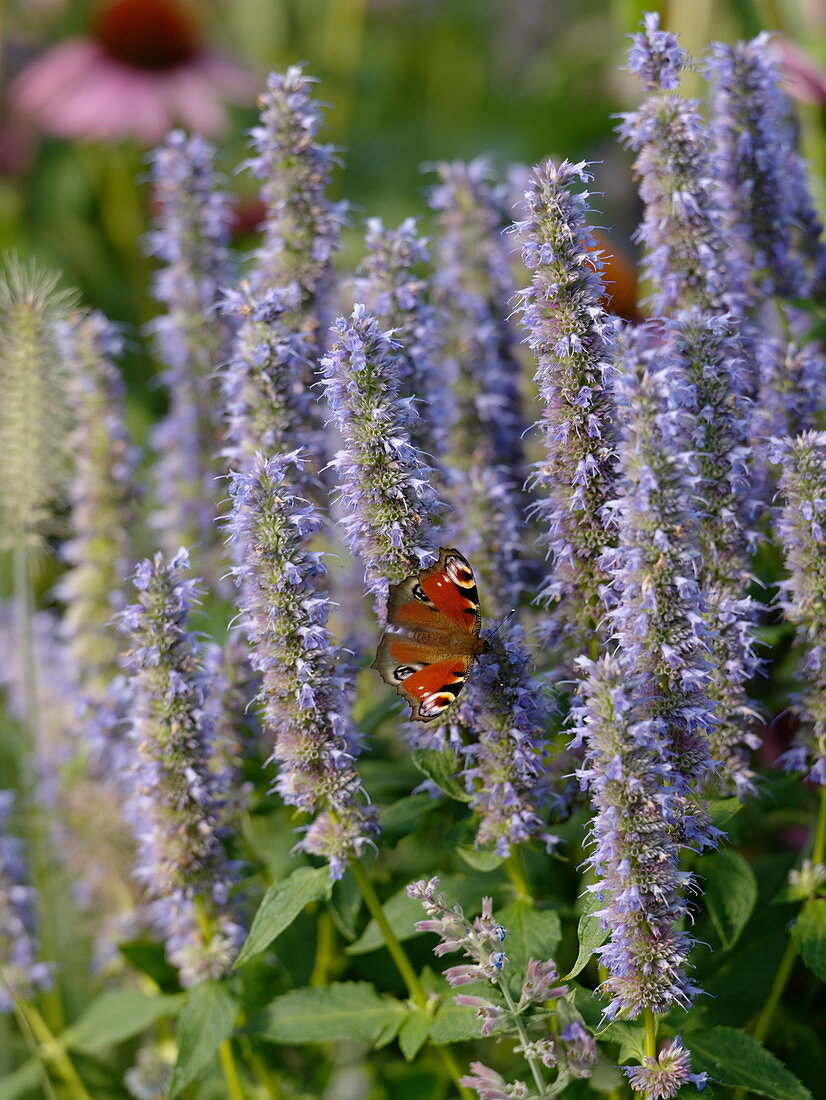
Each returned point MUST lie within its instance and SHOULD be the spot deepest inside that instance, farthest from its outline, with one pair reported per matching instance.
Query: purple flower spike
(572, 337)
(685, 260)
(768, 211)
(22, 974)
(802, 529)
(661, 1078)
(387, 496)
(395, 291)
(304, 690)
(190, 238)
(179, 805)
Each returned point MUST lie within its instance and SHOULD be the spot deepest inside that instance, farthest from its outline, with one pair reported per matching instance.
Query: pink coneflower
(142, 69)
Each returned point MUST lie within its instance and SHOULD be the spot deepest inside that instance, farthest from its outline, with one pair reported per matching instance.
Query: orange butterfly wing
(438, 615)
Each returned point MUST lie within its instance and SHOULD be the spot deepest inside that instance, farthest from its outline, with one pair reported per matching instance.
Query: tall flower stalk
(572, 337)
(802, 525)
(386, 488)
(304, 691)
(178, 808)
(190, 237)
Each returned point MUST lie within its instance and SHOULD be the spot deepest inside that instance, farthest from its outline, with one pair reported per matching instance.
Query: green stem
(819, 850)
(50, 1048)
(225, 1052)
(650, 1032)
(539, 1081)
(515, 868)
(324, 952)
(408, 974)
(764, 1020)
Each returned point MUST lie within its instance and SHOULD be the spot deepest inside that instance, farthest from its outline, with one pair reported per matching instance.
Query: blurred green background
(407, 81)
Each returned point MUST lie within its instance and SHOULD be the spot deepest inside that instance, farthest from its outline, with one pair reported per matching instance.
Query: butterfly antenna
(496, 629)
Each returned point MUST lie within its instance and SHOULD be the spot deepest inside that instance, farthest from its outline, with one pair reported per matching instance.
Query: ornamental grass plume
(386, 488)
(304, 694)
(394, 289)
(802, 530)
(191, 239)
(178, 808)
(21, 975)
(474, 282)
(572, 337)
(768, 213)
(685, 260)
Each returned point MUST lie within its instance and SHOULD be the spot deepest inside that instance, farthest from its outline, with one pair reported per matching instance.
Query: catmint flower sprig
(191, 239)
(802, 530)
(474, 282)
(386, 490)
(21, 974)
(767, 208)
(394, 288)
(481, 941)
(684, 259)
(661, 1078)
(304, 694)
(178, 807)
(572, 336)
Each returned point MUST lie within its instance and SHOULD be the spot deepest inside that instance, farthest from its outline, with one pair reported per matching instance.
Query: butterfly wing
(434, 620)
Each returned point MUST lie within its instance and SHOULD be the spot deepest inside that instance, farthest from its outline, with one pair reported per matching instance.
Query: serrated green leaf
(403, 912)
(442, 766)
(484, 861)
(281, 905)
(590, 933)
(403, 815)
(809, 934)
(730, 893)
(207, 1020)
(414, 1032)
(722, 810)
(22, 1081)
(343, 1010)
(532, 933)
(734, 1058)
(454, 1023)
(118, 1015)
(630, 1037)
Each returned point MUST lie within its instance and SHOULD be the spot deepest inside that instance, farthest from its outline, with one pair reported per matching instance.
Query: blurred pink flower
(141, 70)
(804, 79)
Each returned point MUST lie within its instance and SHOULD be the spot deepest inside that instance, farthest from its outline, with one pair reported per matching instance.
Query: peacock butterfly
(433, 620)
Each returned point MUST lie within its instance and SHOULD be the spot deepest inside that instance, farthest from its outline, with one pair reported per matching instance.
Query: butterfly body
(432, 638)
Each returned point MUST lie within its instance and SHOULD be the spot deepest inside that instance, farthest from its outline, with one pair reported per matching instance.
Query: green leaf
(442, 766)
(730, 893)
(454, 1023)
(343, 1010)
(24, 1080)
(809, 934)
(414, 1032)
(118, 1015)
(483, 860)
(532, 933)
(206, 1021)
(590, 933)
(403, 815)
(630, 1037)
(722, 810)
(734, 1058)
(150, 958)
(281, 905)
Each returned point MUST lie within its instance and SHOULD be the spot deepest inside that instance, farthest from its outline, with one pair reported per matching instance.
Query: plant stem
(539, 1081)
(324, 954)
(50, 1048)
(819, 850)
(764, 1020)
(650, 1032)
(515, 868)
(408, 974)
(225, 1053)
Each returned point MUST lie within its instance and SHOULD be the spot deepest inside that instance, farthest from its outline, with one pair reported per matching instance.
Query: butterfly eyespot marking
(435, 703)
(420, 594)
(403, 671)
(459, 573)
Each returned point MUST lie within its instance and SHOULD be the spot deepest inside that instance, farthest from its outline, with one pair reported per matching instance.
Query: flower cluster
(304, 695)
(661, 1078)
(20, 973)
(802, 525)
(386, 486)
(572, 337)
(190, 238)
(178, 807)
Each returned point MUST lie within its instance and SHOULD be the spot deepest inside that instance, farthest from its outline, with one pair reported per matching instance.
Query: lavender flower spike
(178, 808)
(572, 337)
(681, 233)
(768, 211)
(20, 974)
(802, 529)
(393, 289)
(190, 237)
(474, 281)
(284, 610)
(386, 486)
(661, 1078)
